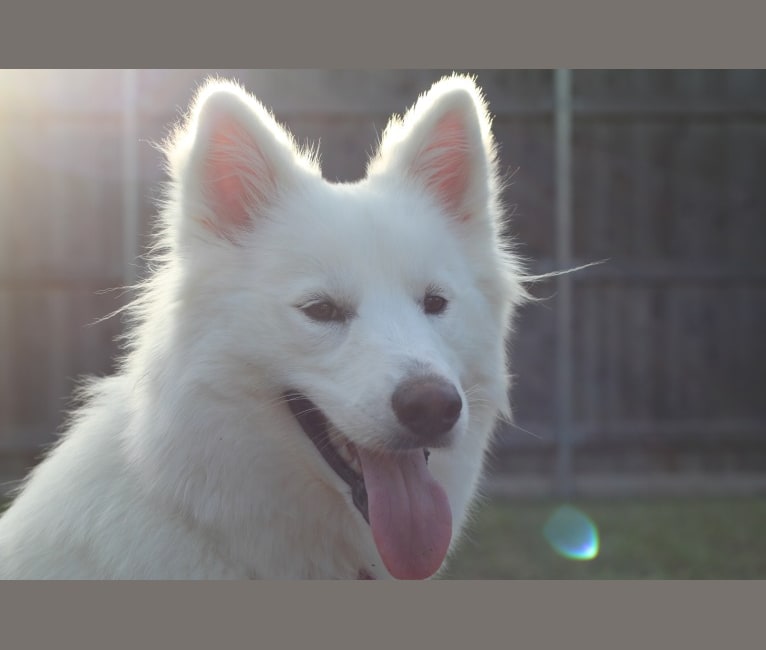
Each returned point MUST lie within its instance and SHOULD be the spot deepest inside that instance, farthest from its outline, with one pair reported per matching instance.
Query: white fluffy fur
(186, 463)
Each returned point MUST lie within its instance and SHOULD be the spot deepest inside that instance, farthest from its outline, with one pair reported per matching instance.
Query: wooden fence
(667, 344)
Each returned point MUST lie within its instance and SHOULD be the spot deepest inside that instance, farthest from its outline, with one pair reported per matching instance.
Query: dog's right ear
(231, 160)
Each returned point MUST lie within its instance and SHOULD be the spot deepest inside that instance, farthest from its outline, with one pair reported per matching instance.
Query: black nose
(427, 406)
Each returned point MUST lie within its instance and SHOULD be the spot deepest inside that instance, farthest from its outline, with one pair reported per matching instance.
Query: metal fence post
(563, 157)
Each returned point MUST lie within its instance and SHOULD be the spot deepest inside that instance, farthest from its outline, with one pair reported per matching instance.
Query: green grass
(659, 539)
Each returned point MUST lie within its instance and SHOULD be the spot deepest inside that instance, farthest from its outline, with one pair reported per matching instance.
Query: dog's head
(376, 311)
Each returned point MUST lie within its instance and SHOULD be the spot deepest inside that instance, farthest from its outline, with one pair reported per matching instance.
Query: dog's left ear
(445, 145)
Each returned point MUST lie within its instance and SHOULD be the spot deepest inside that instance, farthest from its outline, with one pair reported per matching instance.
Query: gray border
(537, 614)
(533, 33)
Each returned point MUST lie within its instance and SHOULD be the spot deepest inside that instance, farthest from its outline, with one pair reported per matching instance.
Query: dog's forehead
(362, 222)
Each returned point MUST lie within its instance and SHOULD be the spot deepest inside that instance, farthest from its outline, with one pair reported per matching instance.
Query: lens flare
(572, 534)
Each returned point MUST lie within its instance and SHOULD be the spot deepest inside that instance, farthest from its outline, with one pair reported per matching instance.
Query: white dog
(313, 372)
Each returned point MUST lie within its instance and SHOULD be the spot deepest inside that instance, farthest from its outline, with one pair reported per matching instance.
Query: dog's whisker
(513, 425)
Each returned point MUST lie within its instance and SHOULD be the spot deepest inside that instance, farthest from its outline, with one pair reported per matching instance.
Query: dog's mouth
(342, 458)
(406, 508)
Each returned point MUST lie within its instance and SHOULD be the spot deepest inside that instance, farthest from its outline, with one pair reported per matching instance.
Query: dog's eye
(324, 311)
(434, 304)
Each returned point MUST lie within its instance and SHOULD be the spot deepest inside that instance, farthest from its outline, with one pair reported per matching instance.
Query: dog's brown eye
(324, 312)
(434, 305)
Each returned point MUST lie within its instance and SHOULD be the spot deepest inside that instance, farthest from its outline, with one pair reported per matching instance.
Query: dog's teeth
(353, 458)
(347, 453)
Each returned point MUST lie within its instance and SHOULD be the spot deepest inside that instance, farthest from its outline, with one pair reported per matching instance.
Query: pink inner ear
(236, 177)
(444, 163)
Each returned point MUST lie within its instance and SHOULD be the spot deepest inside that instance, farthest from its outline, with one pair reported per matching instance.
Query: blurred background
(640, 383)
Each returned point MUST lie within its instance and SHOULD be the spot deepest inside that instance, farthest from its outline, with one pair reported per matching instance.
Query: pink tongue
(409, 513)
